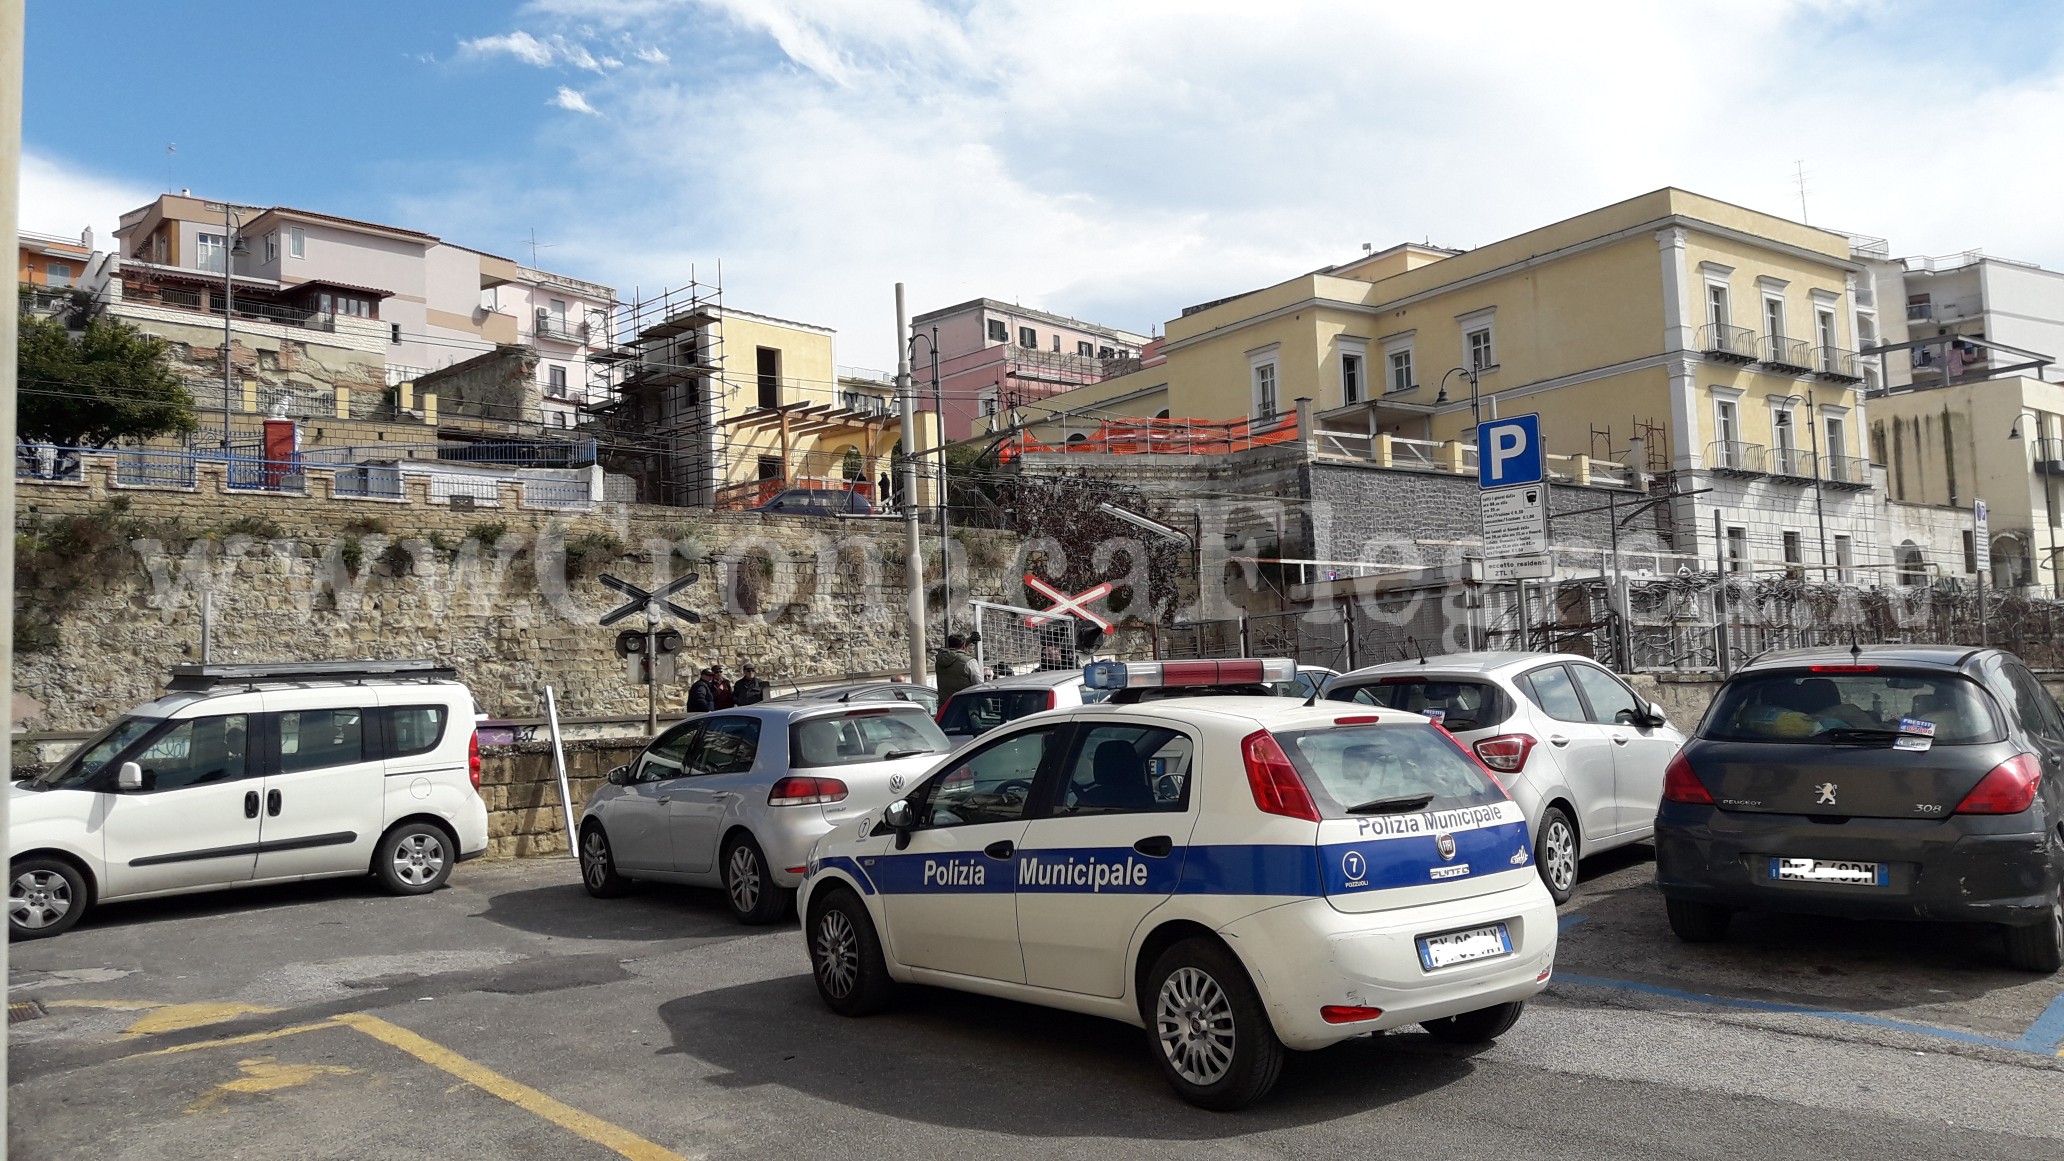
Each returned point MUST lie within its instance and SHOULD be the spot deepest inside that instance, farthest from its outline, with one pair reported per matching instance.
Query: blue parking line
(1570, 920)
(2041, 1038)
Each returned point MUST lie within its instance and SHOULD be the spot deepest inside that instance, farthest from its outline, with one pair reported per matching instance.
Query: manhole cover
(20, 1010)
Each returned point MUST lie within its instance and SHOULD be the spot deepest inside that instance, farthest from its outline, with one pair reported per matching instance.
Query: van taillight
(2008, 789)
(1681, 785)
(1506, 753)
(797, 790)
(473, 759)
(1277, 788)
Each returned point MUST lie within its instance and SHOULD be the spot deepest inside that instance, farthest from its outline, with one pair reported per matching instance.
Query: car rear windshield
(864, 735)
(1464, 705)
(1386, 769)
(1829, 708)
(978, 711)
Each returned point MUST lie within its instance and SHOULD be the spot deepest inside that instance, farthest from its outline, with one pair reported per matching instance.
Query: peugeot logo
(1354, 866)
(1446, 844)
(1824, 794)
(895, 782)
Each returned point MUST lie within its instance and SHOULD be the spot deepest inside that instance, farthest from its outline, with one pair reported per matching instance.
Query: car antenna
(1417, 648)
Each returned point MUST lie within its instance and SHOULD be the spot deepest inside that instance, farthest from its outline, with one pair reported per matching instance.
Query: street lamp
(945, 544)
(1475, 401)
(1819, 505)
(2049, 502)
(232, 245)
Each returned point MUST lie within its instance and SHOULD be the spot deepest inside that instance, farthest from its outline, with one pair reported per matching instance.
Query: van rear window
(1466, 705)
(1803, 706)
(1349, 766)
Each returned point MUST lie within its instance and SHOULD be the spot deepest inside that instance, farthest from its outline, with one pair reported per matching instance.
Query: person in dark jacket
(954, 669)
(750, 690)
(702, 696)
(723, 687)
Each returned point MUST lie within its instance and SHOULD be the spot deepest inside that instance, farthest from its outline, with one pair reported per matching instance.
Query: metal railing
(1734, 456)
(1727, 342)
(1853, 471)
(2049, 456)
(370, 482)
(1793, 462)
(1789, 354)
(1415, 453)
(557, 494)
(1920, 311)
(1836, 363)
(560, 329)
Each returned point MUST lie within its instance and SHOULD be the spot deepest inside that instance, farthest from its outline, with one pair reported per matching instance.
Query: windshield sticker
(1917, 744)
(1917, 727)
(1436, 715)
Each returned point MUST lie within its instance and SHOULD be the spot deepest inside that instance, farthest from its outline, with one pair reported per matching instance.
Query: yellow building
(1721, 337)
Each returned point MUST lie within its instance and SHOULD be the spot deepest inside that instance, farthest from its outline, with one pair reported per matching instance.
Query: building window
(208, 249)
(1970, 552)
(297, 243)
(394, 332)
(1480, 353)
(1717, 310)
(558, 419)
(987, 403)
(770, 467)
(272, 246)
(1057, 344)
(1350, 378)
(1103, 352)
(1264, 390)
(999, 331)
(1837, 449)
(1401, 369)
(1727, 426)
(1086, 350)
(1794, 555)
(557, 309)
(1824, 323)
(57, 273)
(555, 381)
(1028, 338)
(768, 360)
(1784, 441)
(1845, 560)
(1773, 317)
(1737, 550)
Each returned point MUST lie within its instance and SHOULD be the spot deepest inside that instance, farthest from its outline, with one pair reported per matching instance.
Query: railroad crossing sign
(1067, 606)
(654, 602)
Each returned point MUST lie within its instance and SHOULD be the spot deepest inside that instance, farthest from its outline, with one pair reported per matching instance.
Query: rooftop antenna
(1799, 177)
(536, 246)
(170, 149)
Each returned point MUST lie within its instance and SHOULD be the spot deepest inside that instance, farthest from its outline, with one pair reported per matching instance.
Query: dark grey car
(1899, 782)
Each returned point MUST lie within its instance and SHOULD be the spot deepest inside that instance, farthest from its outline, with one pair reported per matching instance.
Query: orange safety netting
(1163, 436)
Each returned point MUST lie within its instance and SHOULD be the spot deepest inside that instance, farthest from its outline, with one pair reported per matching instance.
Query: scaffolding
(660, 379)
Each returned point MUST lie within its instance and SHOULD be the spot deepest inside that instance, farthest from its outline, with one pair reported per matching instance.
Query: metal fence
(1014, 640)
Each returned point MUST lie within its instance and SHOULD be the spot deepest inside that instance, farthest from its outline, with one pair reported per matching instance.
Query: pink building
(996, 358)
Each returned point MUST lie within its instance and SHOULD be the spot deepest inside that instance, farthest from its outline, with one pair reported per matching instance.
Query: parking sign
(1508, 452)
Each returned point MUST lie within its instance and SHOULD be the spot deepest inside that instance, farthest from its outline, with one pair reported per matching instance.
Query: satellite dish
(1683, 570)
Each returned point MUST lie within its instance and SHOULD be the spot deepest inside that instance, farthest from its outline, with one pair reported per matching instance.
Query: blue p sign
(1508, 451)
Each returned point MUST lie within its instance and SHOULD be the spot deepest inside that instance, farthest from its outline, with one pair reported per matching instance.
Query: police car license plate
(1453, 947)
(1839, 871)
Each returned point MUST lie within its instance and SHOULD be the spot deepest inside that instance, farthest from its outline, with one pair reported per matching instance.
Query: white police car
(1238, 874)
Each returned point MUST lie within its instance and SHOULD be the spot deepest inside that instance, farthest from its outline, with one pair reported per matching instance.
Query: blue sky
(1111, 161)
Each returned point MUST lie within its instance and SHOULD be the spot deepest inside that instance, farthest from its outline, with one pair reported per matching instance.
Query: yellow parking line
(250, 1038)
(609, 1136)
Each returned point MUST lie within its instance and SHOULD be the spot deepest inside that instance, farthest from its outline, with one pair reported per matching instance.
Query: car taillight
(2008, 789)
(798, 790)
(1357, 720)
(1506, 753)
(1053, 698)
(473, 759)
(1681, 785)
(1274, 781)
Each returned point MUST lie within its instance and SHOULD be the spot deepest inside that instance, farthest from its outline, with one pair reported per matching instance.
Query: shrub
(591, 550)
(365, 526)
(488, 532)
(259, 527)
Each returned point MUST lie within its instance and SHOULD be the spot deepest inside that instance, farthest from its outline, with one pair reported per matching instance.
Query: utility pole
(228, 308)
(11, 20)
(913, 552)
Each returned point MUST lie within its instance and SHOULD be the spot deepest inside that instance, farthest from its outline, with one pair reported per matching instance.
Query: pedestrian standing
(722, 686)
(702, 696)
(750, 690)
(955, 670)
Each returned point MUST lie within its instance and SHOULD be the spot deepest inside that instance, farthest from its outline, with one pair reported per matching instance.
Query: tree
(90, 388)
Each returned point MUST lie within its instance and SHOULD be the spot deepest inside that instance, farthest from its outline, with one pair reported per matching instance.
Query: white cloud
(650, 54)
(1117, 161)
(541, 52)
(60, 199)
(573, 102)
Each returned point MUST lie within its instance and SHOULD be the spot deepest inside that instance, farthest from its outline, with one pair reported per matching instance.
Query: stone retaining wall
(522, 791)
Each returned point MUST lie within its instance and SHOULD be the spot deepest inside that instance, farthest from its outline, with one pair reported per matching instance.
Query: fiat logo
(1446, 844)
(1354, 866)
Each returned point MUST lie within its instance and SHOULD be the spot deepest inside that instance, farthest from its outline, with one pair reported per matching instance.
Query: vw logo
(895, 782)
(1354, 866)
(1446, 844)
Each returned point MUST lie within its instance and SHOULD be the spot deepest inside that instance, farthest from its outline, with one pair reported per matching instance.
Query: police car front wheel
(846, 957)
(1210, 1033)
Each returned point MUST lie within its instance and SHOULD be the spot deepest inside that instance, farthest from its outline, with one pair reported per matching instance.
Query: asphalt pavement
(511, 1016)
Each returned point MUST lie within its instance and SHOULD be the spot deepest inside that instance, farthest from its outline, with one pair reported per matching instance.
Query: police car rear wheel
(1479, 1027)
(846, 957)
(753, 895)
(1556, 854)
(1211, 1035)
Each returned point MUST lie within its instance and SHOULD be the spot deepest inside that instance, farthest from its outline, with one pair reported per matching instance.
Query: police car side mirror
(618, 776)
(129, 777)
(899, 816)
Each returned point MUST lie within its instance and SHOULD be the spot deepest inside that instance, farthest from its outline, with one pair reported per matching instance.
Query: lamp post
(1819, 504)
(1475, 401)
(2049, 500)
(230, 243)
(945, 544)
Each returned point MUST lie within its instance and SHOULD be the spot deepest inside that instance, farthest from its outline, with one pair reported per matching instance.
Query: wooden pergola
(797, 420)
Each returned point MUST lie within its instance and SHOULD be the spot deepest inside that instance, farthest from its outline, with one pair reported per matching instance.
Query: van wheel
(414, 858)
(45, 897)
(1697, 922)
(1211, 1035)
(2039, 947)
(1555, 853)
(1479, 1027)
(750, 888)
(598, 865)
(846, 956)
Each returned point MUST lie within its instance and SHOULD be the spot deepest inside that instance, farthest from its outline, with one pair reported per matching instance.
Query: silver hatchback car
(736, 798)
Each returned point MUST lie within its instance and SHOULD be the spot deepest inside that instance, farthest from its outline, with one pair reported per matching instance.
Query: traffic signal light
(667, 641)
(631, 642)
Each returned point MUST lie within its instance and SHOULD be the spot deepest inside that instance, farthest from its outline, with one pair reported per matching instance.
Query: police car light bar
(1172, 674)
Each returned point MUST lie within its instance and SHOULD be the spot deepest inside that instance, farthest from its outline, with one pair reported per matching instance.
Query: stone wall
(306, 365)
(521, 790)
(113, 578)
(500, 386)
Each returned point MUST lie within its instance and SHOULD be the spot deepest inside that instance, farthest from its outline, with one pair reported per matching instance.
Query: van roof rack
(190, 677)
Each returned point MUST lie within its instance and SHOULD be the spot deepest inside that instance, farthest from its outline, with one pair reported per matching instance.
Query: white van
(244, 774)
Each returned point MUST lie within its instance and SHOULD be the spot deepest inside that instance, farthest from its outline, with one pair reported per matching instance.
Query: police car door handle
(1000, 850)
(1156, 847)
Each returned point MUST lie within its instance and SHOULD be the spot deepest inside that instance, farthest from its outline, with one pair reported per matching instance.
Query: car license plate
(1845, 872)
(1453, 947)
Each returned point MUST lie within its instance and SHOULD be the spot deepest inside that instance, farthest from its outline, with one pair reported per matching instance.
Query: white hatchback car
(1237, 874)
(1581, 753)
(246, 774)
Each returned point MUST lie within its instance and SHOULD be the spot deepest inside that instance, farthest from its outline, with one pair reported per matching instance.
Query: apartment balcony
(557, 329)
(2049, 457)
(1727, 344)
(1791, 463)
(1782, 354)
(1837, 365)
(1850, 473)
(1732, 458)
(1920, 312)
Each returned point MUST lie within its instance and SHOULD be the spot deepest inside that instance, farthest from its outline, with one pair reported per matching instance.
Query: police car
(1238, 874)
